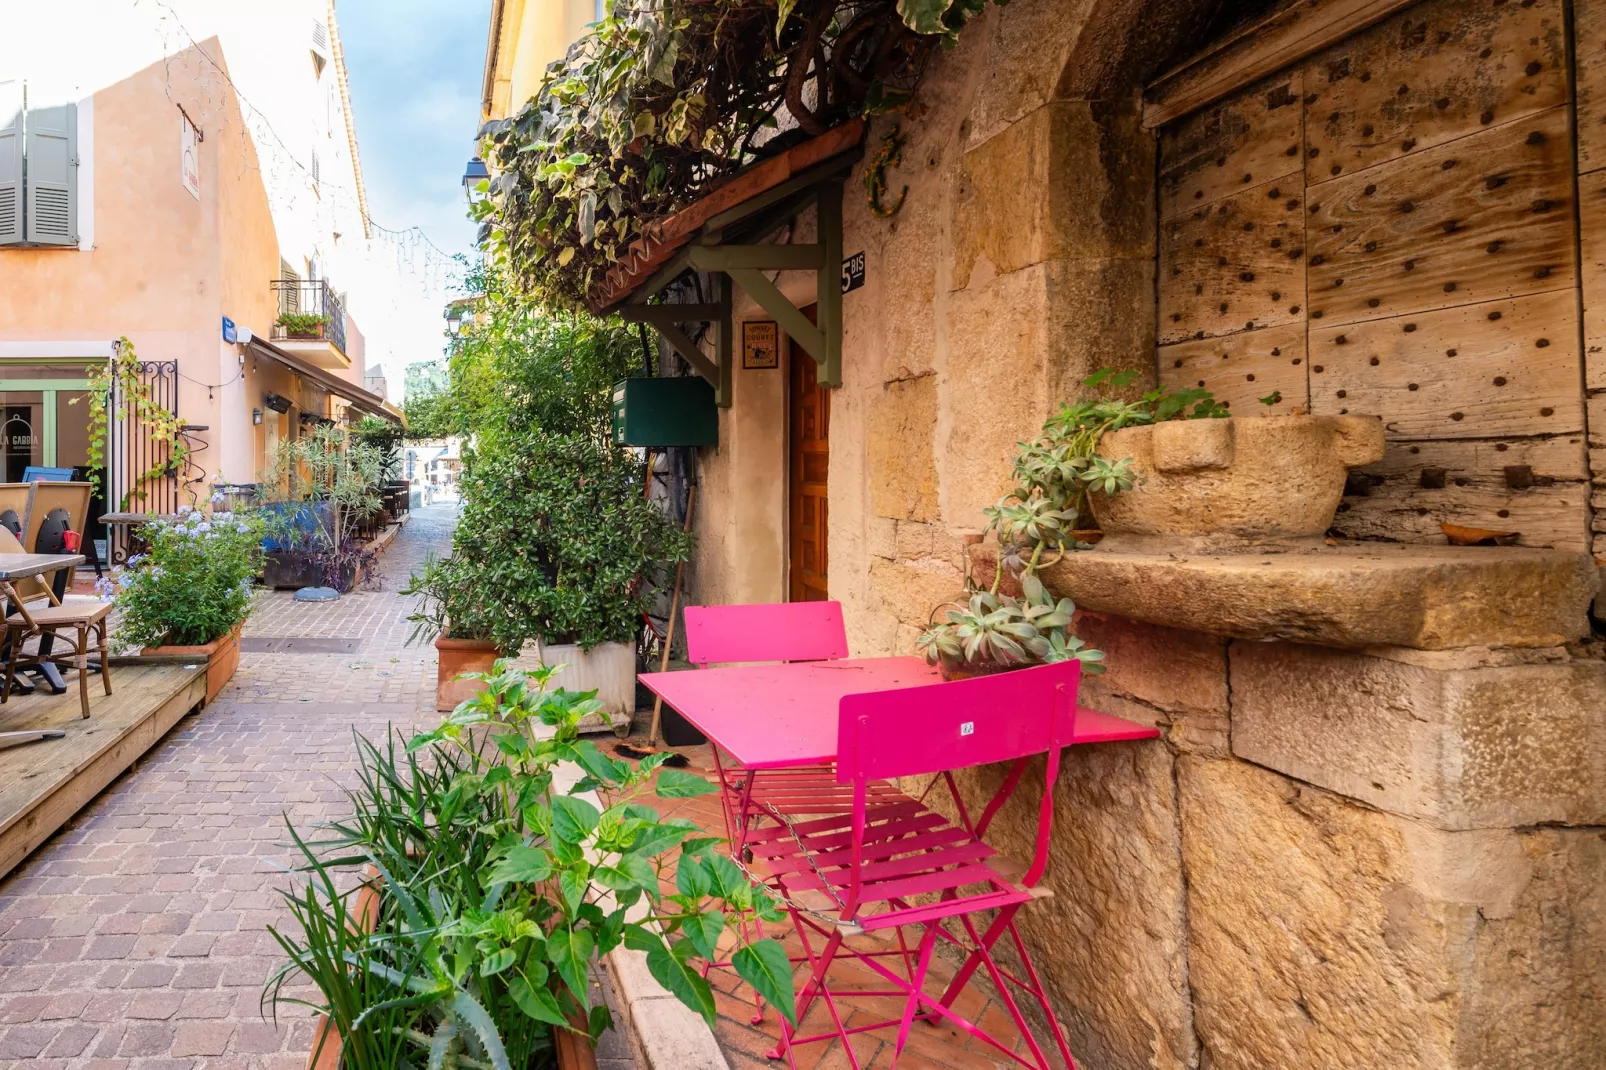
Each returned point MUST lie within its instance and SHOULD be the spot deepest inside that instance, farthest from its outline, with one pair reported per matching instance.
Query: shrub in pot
(317, 498)
(191, 591)
(453, 613)
(499, 889)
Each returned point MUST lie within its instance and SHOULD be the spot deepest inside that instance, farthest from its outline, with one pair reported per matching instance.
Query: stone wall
(1331, 858)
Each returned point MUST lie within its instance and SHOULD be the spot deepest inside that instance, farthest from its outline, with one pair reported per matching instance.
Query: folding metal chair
(773, 631)
(893, 862)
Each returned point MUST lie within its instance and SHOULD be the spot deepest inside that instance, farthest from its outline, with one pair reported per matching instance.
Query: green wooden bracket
(828, 283)
(756, 257)
(666, 320)
(773, 301)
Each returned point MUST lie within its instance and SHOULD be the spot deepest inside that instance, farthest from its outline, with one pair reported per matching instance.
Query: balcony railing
(309, 311)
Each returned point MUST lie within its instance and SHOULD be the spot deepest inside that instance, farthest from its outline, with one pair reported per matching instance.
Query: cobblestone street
(135, 938)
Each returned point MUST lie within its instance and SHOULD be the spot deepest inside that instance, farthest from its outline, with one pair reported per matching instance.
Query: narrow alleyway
(136, 937)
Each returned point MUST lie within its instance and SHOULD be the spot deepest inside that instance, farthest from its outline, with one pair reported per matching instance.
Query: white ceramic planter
(609, 669)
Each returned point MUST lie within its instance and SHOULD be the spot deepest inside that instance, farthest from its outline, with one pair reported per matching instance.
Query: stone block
(1460, 747)
(1172, 679)
(911, 590)
(1109, 942)
(1079, 185)
(1353, 595)
(902, 466)
(1326, 934)
(915, 540)
(881, 536)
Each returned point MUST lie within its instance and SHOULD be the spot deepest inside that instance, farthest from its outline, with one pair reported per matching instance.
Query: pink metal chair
(891, 861)
(775, 631)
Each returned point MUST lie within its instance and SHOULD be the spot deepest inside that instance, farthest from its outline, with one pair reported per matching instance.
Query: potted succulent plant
(189, 594)
(994, 632)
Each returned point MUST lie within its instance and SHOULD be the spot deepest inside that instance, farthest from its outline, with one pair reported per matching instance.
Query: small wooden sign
(760, 344)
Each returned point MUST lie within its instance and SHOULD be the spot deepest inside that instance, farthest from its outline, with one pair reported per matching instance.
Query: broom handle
(674, 610)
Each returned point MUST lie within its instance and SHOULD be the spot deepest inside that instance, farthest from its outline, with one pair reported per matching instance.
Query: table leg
(47, 671)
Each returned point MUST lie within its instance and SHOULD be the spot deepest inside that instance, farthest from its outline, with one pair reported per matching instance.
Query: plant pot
(966, 670)
(1222, 486)
(677, 731)
(607, 668)
(458, 656)
(222, 658)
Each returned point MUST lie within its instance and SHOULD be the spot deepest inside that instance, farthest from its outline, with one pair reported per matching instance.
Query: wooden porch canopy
(360, 399)
(718, 233)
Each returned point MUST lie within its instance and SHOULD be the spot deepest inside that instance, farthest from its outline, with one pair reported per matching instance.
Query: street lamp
(454, 318)
(473, 175)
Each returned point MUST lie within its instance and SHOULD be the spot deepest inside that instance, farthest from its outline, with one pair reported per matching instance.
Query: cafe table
(784, 716)
(14, 567)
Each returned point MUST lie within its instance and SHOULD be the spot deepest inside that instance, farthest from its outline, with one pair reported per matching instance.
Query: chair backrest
(937, 728)
(940, 727)
(14, 505)
(775, 631)
(44, 498)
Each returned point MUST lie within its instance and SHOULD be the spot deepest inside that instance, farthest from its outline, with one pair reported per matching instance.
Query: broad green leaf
(679, 784)
(573, 819)
(703, 931)
(641, 938)
(600, 1021)
(538, 1003)
(656, 839)
(570, 952)
(923, 16)
(573, 884)
(495, 963)
(669, 967)
(729, 881)
(764, 965)
(693, 878)
(603, 768)
(631, 871)
(522, 865)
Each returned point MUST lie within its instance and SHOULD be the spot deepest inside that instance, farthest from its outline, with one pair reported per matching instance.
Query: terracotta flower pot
(1233, 484)
(222, 658)
(459, 656)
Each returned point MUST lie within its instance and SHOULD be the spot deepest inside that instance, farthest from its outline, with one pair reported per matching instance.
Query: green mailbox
(665, 412)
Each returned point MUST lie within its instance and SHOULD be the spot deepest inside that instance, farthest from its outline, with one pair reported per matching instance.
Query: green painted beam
(757, 257)
(670, 313)
(773, 301)
(828, 285)
(723, 389)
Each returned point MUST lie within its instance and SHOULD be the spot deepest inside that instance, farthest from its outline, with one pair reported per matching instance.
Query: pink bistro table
(783, 716)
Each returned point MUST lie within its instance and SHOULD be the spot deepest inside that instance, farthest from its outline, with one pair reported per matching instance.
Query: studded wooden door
(809, 451)
(1390, 227)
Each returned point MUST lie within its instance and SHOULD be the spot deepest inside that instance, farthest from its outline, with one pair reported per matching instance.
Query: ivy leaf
(923, 16)
(538, 1003)
(669, 968)
(781, 13)
(573, 819)
(522, 865)
(764, 965)
(679, 784)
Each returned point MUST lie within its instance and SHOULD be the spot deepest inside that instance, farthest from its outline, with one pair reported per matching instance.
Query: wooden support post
(828, 292)
(723, 387)
(674, 610)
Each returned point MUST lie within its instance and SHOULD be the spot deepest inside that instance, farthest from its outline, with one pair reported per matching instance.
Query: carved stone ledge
(1351, 595)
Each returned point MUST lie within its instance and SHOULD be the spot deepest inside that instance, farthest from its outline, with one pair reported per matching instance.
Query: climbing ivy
(664, 99)
(119, 379)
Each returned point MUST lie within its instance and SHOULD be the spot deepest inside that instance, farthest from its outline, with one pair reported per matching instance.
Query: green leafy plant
(993, 632)
(302, 324)
(510, 854)
(193, 584)
(114, 389)
(661, 102)
(449, 602)
(318, 493)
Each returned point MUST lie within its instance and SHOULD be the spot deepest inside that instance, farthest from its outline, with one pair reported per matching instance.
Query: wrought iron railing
(309, 311)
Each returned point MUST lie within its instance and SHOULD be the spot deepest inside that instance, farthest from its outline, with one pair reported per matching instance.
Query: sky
(415, 68)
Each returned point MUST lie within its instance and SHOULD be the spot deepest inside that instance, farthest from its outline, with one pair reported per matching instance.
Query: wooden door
(1387, 227)
(809, 406)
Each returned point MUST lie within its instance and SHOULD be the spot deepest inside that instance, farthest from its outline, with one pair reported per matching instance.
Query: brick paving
(135, 939)
(932, 1046)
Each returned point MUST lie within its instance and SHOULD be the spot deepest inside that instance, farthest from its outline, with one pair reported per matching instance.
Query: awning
(360, 399)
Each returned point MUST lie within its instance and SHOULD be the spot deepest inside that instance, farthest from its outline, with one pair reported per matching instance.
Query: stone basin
(1223, 486)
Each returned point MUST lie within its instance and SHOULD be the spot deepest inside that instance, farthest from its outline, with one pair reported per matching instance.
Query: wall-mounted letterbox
(665, 412)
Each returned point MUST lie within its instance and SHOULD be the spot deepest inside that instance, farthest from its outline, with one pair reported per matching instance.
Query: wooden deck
(42, 785)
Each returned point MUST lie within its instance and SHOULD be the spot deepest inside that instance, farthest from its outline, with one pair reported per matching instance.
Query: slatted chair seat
(66, 613)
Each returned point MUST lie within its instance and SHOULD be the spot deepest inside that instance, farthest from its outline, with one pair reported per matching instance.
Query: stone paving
(136, 938)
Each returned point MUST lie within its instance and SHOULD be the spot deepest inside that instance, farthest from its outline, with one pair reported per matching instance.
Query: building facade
(200, 198)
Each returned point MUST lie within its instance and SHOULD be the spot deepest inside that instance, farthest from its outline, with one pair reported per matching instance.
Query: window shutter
(52, 151)
(10, 163)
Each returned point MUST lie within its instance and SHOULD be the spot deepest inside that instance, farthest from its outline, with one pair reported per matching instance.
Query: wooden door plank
(1484, 217)
(1281, 39)
(1502, 368)
(1429, 75)
(1244, 141)
(1592, 274)
(1553, 516)
(1589, 45)
(1233, 266)
(1242, 368)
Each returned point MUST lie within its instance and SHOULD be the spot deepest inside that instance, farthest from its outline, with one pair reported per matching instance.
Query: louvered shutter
(10, 163)
(52, 208)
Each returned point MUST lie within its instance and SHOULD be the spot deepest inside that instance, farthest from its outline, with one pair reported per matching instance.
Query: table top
(21, 566)
(126, 518)
(773, 716)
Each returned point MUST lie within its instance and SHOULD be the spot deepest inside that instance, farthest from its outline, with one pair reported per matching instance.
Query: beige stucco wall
(534, 33)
